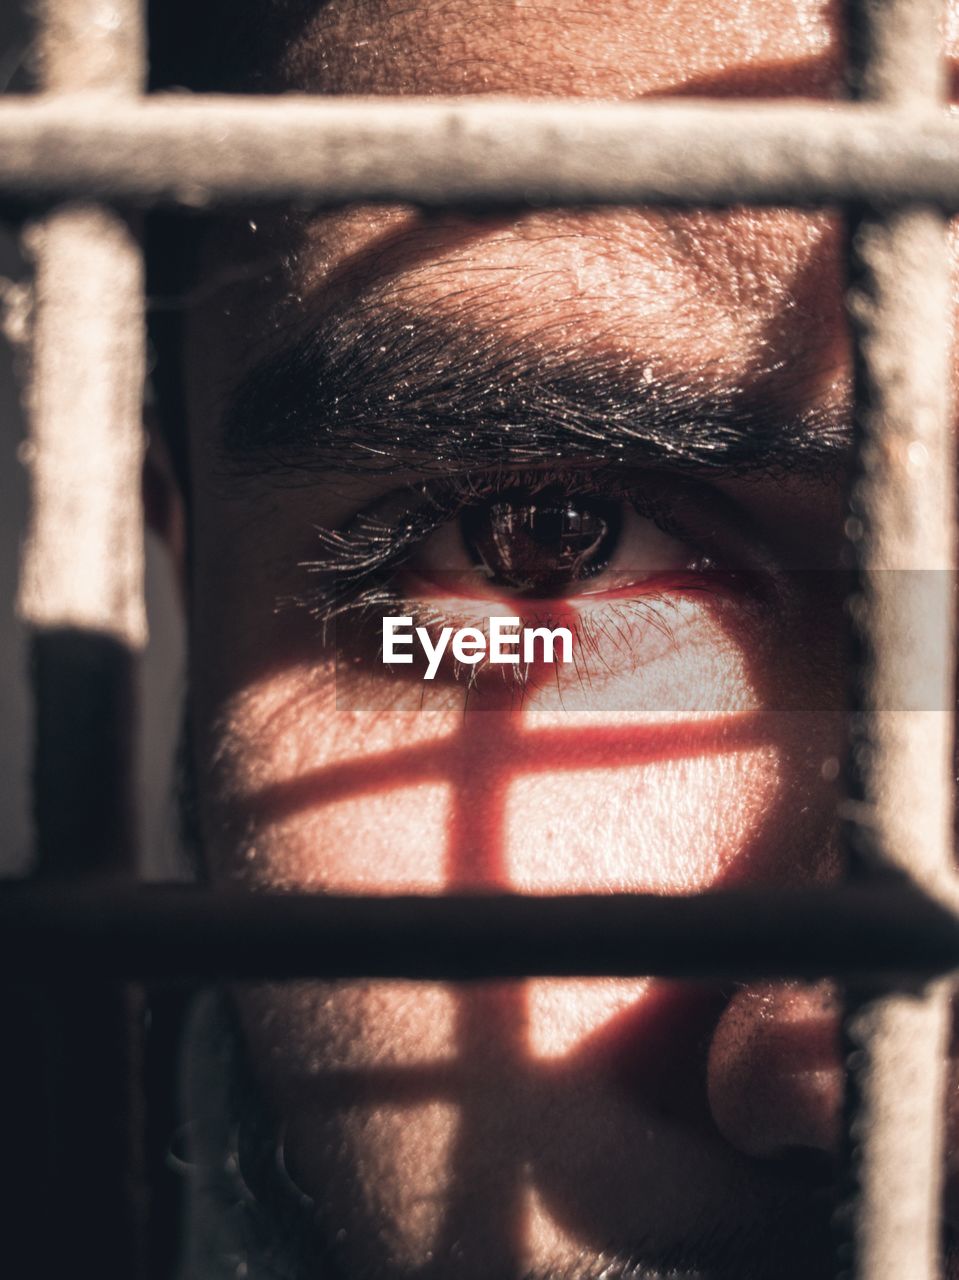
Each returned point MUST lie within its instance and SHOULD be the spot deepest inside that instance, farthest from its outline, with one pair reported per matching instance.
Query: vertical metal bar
(81, 592)
(901, 530)
(91, 45)
(81, 586)
(81, 580)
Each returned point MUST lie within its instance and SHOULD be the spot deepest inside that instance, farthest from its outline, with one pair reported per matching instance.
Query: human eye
(640, 566)
(558, 540)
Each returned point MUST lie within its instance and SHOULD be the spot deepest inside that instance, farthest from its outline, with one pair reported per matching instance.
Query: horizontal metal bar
(204, 151)
(889, 934)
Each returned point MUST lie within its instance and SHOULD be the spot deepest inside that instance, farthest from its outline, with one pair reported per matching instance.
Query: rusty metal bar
(186, 932)
(81, 594)
(901, 518)
(212, 150)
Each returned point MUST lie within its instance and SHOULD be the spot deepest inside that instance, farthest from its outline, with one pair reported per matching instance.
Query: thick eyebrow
(396, 390)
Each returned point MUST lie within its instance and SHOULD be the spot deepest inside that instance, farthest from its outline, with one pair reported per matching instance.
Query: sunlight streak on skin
(397, 843)
(561, 1012)
(616, 830)
(686, 668)
(545, 1238)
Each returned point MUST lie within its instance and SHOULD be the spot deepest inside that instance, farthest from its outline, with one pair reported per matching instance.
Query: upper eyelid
(353, 554)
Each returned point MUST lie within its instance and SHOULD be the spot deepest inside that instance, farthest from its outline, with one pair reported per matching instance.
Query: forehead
(620, 48)
(735, 292)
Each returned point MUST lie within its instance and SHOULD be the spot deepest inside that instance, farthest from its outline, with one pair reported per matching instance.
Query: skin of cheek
(352, 801)
(302, 793)
(334, 1050)
(318, 777)
(548, 1155)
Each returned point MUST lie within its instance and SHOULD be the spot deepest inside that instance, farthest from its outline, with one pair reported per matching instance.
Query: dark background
(162, 679)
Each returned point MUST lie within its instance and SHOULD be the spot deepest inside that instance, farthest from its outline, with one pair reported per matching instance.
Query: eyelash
(359, 562)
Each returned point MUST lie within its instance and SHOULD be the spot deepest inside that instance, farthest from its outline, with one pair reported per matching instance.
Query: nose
(774, 1075)
(775, 1081)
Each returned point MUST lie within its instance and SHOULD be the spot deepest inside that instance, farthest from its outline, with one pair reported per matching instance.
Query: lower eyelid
(453, 604)
(473, 588)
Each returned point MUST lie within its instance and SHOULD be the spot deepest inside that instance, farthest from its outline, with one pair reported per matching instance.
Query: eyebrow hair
(394, 389)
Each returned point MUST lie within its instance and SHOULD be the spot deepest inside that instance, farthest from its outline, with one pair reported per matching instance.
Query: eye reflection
(544, 543)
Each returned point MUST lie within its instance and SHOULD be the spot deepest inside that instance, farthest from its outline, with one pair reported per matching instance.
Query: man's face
(381, 402)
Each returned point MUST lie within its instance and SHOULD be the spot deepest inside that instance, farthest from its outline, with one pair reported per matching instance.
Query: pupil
(544, 542)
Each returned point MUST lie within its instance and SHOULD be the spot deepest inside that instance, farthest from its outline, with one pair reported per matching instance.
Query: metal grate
(91, 146)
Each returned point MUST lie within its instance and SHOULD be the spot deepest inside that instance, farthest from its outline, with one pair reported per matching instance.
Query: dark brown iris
(542, 543)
